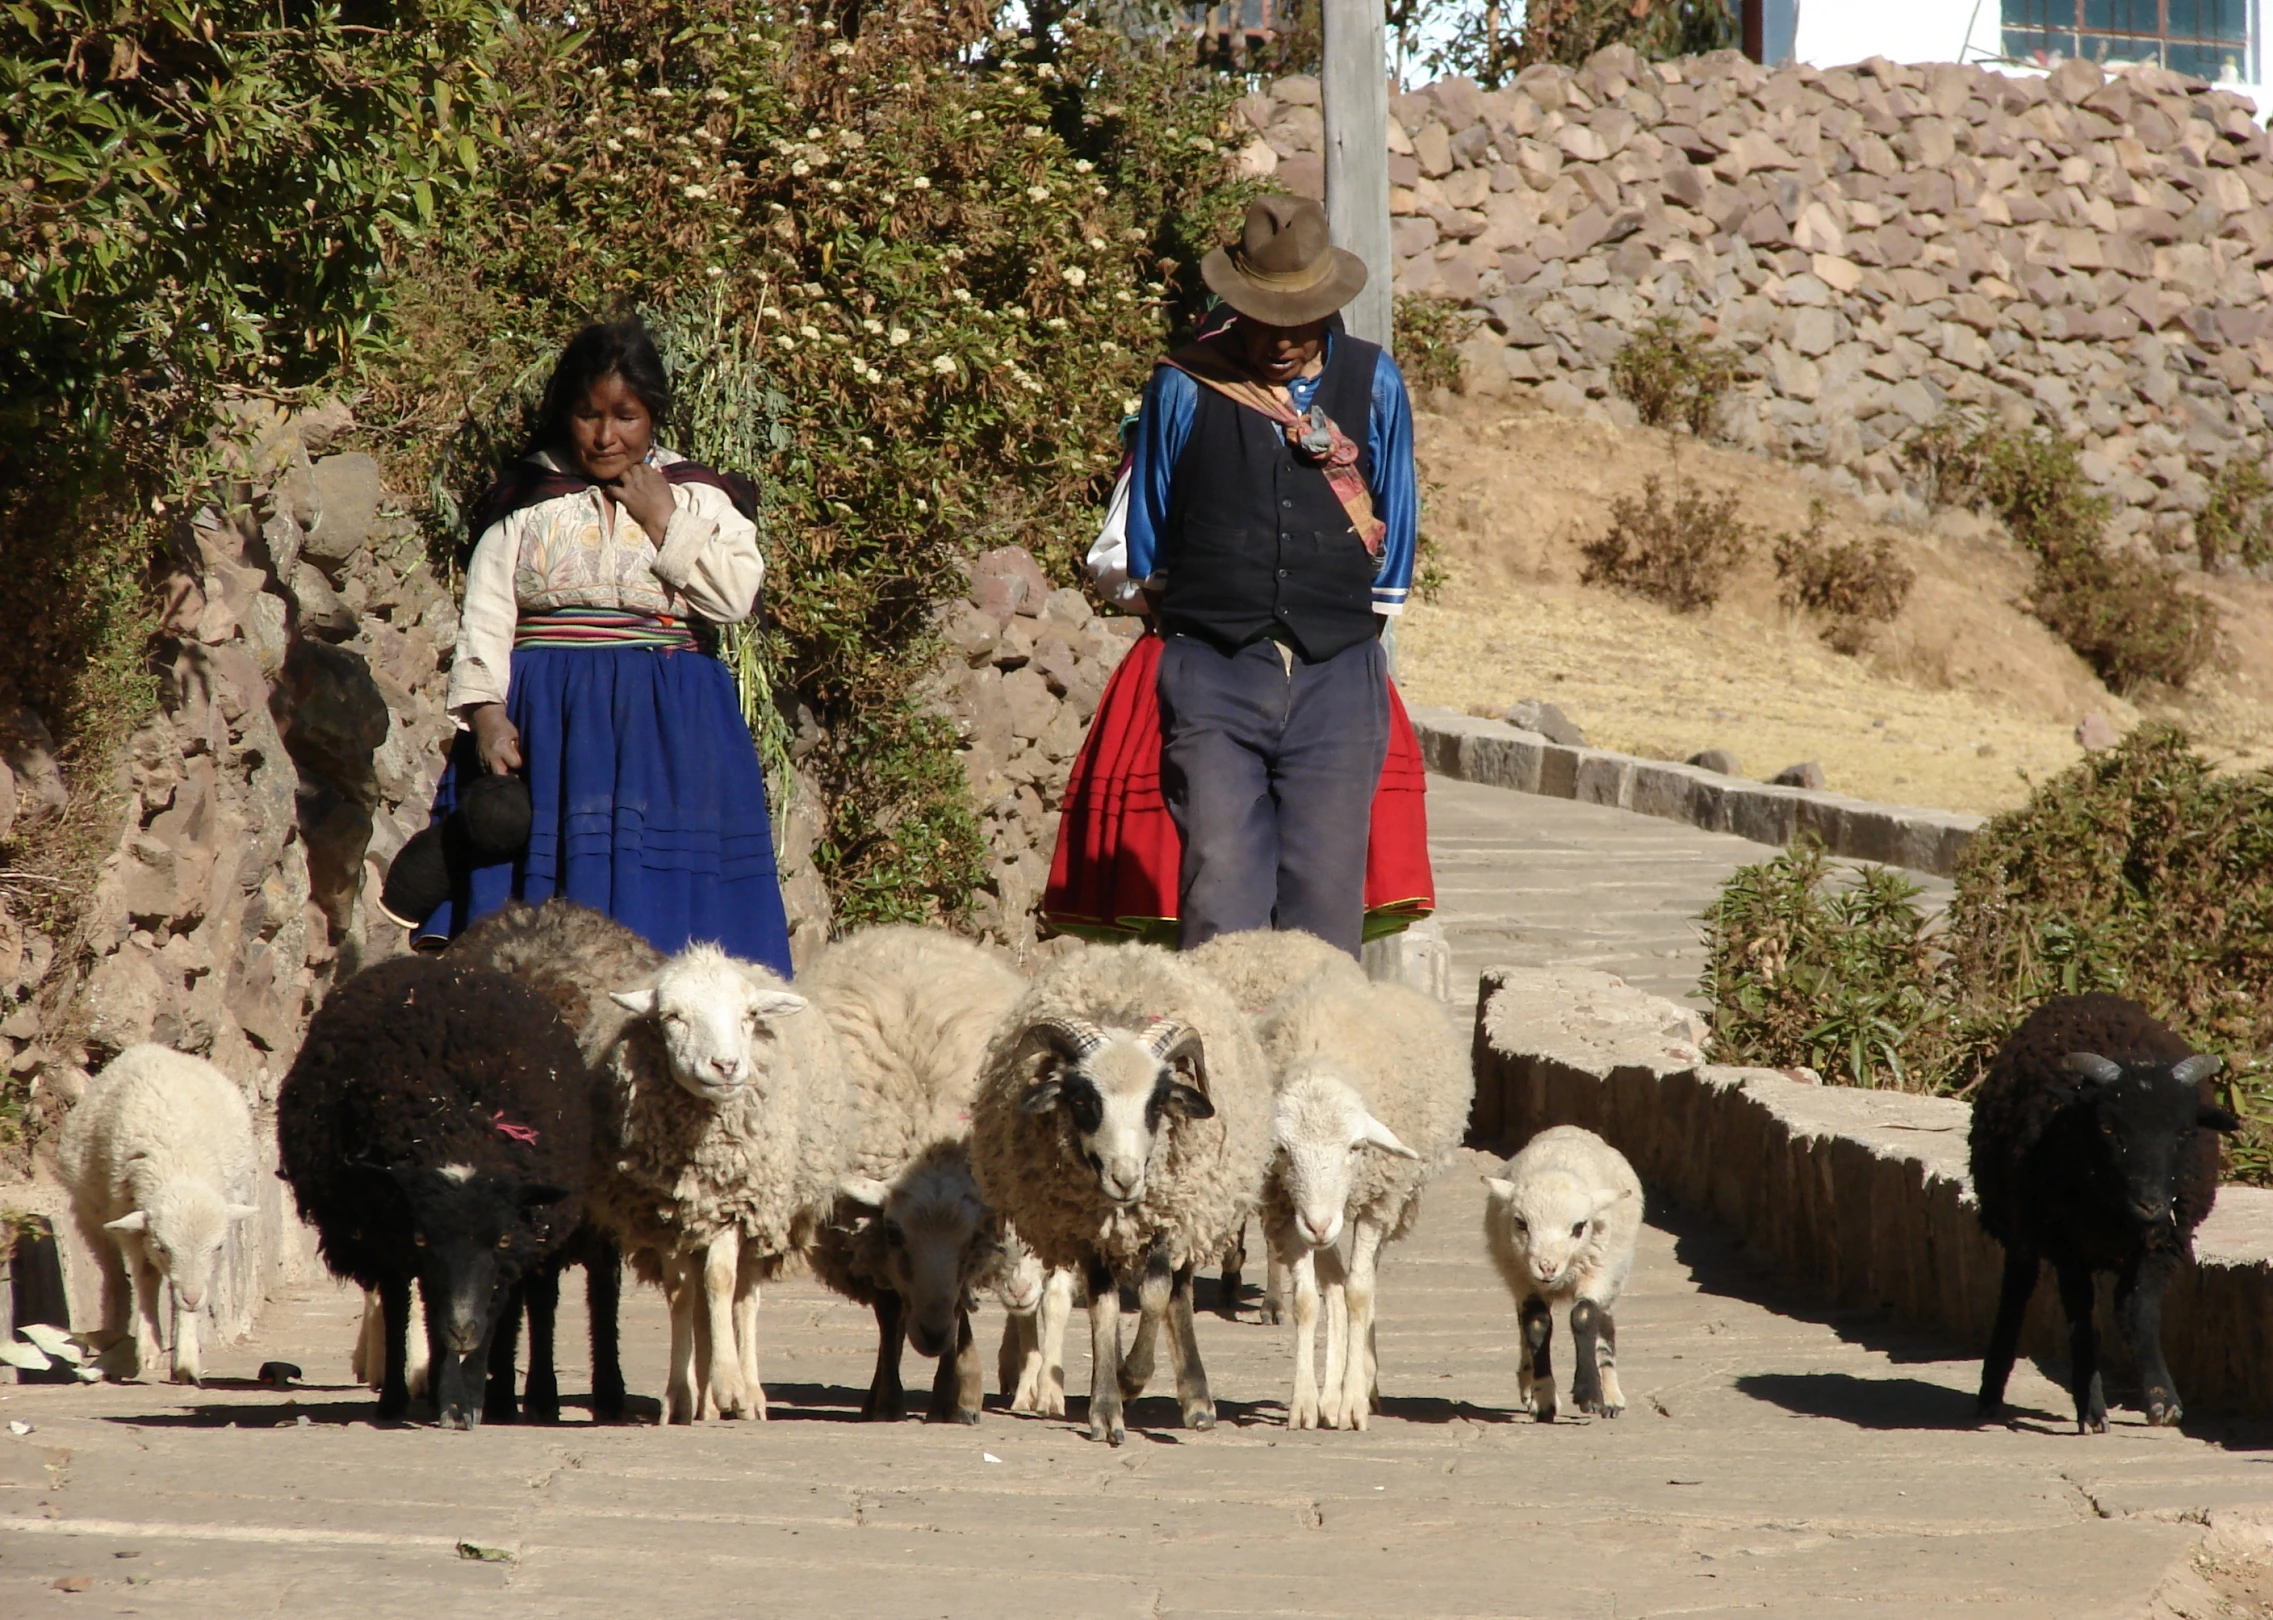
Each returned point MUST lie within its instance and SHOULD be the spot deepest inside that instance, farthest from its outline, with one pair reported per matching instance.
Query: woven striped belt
(602, 627)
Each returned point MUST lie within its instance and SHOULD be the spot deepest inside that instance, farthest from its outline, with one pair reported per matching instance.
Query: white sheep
(1373, 1095)
(1122, 1125)
(1561, 1223)
(159, 1158)
(719, 1140)
(913, 1010)
(1256, 966)
(1036, 1302)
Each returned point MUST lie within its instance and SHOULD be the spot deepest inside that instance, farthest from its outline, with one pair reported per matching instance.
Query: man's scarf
(1314, 437)
(528, 483)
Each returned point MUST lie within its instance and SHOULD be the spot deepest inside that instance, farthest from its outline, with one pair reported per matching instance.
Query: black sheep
(2094, 1146)
(436, 1126)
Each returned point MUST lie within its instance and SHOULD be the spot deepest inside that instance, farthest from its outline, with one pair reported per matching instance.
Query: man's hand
(496, 738)
(646, 495)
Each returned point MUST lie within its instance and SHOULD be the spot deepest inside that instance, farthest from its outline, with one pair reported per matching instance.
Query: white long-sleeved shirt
(572, 551)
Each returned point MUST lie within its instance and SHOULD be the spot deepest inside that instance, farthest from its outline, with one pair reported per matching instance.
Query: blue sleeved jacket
(1165, 422)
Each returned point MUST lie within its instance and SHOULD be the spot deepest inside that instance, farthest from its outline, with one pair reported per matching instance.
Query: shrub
(2126, 617)
(1674, 375)
(1428, 338)
(2139, 871)
(1852, 583)
(2238, 521)
(1679, 556)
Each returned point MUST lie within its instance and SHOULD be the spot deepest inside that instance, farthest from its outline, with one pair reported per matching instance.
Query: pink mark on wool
(526, 1135)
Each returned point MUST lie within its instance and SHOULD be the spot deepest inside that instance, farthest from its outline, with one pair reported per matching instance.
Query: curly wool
(850, 1257)
(571, 955)
(1395, 1048)
(1258, 965)
(1205, 1175)
(419, 1063)
(1600, 1266)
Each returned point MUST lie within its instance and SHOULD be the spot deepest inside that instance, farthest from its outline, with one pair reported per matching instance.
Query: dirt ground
(1957, 704)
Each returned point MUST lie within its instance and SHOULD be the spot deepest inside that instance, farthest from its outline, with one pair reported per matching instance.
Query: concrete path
(1772, 1462)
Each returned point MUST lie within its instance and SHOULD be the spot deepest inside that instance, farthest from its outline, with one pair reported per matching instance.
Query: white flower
(1075, 276)
(921, 182)
(715, 271)
(1124, 296)
(838, 47)
(787, 342)
(975, 118)
(614, 145)
(898, 335)
(1102, 192)
(1129, 407)
(1200, 143)
(801, 169)
(1032, 132)
(809, 332)
(1055, 323)
(590, 119)
(1083, 166)
(836, 188)
(851, 139)
(922, 505)
(872, 326)
(1096, 244)
(1038, 193)
(1109, 346)
(694, 191)
(661, 92)
(866, 443)
(887, 199)
(944, 365)
(961, 295)
(874, 375)
(812, 132)
(714, 93)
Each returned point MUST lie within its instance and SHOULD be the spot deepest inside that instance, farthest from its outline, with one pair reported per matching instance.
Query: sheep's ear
(2093, 1069)
(1040, 1097)
(240, 1212)
(641, 1002)
(1376, 1134)
(2213, 1118)
(1609, 1196)
(1500, 1189)
(865, 1190)
(1187, 1102)
(138, 1221)
(772, 1003)
(2196, 1069)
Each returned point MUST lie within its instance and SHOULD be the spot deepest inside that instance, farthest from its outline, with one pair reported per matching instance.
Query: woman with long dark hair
(602, 561)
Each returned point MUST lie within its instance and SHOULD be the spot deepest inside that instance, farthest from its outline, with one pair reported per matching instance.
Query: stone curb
(1500, 755)
(1863, 1196)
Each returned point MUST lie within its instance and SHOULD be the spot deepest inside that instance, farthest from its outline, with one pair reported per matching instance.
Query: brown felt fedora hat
(1284, 270)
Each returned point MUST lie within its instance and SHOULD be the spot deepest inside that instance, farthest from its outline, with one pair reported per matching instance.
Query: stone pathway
(1773, 1462)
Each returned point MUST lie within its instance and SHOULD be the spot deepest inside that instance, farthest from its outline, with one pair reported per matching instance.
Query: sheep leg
(685, 1300)
(1334, 1281)
(1105, 1356)
(118, 1290)
(886, 1401)
(2139, 1310)
(2076, 1298)
(1050, 1321)
(147, 1283)
(1192, 1397)
(1152, 1305)
(1594, 1380)
(188, 1368)
(1229, 1273)
(1274, 1290)
(721, 1271)
(603, 1303)
(1357, 1294)
(1537, 1387)
(2004, 1338)
(746, 1300)
(957, 1391)
(1302, 1412)
(394, 1382)
(540, 1396)
(497, 1401)
(1017, 1363)
(367, 1362)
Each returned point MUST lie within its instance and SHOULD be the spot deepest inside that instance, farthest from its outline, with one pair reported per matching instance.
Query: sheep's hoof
(2092, 1423)
(1200, 1415)
(2163, 1411)
(187, 1375)
(1302, 1415)
(1112, 1433)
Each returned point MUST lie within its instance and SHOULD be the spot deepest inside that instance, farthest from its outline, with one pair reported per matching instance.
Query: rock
(28, 750)
(331, 715)
(1007, 581)
(1718, 760)
(345, 492)
(1066, 608)
(1547, 720)
(7, 801)
(2095, 732)
(322, 613)
(1808, 775)
(1031, 705)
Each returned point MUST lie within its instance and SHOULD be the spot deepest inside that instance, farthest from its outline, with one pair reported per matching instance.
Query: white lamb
(159, 1158)
(1373, 1095)
(1561, 1222)
(1037, 1301)
(1121, 1125)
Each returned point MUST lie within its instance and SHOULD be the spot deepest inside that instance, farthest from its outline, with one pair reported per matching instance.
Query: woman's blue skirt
(649, 802)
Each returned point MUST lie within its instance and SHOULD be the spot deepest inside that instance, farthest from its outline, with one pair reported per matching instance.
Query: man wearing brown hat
(1270, 525)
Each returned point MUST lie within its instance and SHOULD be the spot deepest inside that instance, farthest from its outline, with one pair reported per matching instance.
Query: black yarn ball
(496, 815)
(418, 879)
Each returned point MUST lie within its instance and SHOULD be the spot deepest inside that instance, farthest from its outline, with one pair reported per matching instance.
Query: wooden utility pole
(1355, 90)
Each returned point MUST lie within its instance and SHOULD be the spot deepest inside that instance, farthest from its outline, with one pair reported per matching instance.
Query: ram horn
(2199, 1067)
(1068, 1038)
(1180, 1047)
(2091, 1066)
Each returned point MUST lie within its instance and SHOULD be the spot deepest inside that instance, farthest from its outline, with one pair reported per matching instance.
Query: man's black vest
(1256, 542)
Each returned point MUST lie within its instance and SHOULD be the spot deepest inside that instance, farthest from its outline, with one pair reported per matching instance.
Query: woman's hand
(497, 739)
(646, 495)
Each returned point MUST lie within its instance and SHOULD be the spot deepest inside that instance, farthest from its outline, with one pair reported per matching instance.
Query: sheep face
(713, 1014)
(476, 1236)
(935, 1239)
(2134, 1118)
(182, 1230)
(1118, 1091)
(1322, 1129)
(1023, 1277)
(1552, 1221)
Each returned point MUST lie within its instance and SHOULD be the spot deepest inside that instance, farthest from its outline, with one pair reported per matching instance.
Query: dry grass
(1954, 704)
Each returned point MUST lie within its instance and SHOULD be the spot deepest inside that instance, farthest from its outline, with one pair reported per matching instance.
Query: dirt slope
(1954, 704)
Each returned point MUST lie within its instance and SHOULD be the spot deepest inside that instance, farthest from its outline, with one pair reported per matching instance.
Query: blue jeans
(1270, 771)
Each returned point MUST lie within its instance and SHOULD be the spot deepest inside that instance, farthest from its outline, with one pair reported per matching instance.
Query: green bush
(1427, 342)
(1673, 375)
(1853, 584)
(2140, 871)
(2126, 617)
(1678, 555)
(2238, 521)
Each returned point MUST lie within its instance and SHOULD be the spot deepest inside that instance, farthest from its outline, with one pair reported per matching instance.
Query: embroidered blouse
(571, 551)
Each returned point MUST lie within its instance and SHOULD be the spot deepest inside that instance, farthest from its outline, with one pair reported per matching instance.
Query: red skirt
(1114, 876)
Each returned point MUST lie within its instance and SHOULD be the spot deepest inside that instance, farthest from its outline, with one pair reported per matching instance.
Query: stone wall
(2093, 253)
